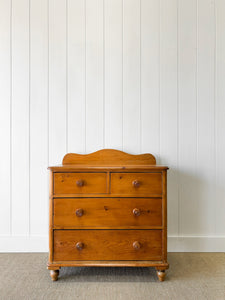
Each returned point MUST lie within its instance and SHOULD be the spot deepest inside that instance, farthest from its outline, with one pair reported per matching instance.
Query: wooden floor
(191, 276)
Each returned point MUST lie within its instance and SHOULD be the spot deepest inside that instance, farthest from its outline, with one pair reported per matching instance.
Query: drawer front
(80, 183)
(108, 212)
(136, 183)
(107, 245)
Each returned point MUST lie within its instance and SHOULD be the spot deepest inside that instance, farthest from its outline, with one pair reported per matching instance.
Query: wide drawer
(107, 212)
(80, 183)
(107, 245)
(136, 183)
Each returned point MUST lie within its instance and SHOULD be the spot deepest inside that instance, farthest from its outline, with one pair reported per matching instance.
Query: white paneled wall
(136, 75)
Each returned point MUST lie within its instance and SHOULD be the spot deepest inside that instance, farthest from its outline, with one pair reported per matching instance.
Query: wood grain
(148, 183)
(123, 168)
(51, 183)
(107, 212)
(108, 157)
(80, 183)
(109, 215)
(107, 245)
(108, 263)
(164, 216)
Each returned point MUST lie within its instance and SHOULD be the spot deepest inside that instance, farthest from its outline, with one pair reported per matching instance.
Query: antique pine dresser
(108, 208)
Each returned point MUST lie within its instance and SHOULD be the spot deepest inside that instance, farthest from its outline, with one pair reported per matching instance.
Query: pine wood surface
(93, 169)
(109, 157)
(107, 245)
(108, 208)
(108, 212)
(67, 183)
(108, 263)
(149, 183)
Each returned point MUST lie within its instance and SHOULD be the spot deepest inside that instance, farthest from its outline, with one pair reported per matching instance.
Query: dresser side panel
(51, 187)
(164, 215)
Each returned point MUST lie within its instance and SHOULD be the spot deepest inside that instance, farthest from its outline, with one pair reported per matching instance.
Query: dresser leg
(161, 274)
(54, 274)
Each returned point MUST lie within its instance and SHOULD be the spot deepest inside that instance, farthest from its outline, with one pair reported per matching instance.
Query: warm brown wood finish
(161, 274)
(139, 213)
(107, 245)
(50, 217)
(94, 169)
(108, 208)
(108, 263)
(54, 274)
(108, 157)
(80, 183)
(136, 184)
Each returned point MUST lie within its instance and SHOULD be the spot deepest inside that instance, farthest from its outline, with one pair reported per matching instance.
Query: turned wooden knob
(136, 183)
(80, 182)
(136, 245)
(79, 246)
(79, 212)
(136, 212)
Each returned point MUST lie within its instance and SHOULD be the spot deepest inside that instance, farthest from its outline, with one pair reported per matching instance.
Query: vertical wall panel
(169, 106)
(94, 76)
(205, 117)
(131, 76)
(150, 59)
(187, 123)
(38, 116)
(5, 100)
(219, 196)
(57, 80)
(76, 76)
(20, 117)
(113, 72)
(137, 75)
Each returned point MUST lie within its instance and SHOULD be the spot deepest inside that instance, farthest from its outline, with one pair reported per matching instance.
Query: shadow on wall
(192, 202)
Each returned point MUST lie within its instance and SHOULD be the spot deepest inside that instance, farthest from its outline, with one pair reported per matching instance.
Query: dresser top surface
(130, 168)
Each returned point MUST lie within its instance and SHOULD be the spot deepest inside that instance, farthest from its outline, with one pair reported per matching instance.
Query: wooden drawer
(107, 212)
(136, 183)
(80, 183)
(107, 245)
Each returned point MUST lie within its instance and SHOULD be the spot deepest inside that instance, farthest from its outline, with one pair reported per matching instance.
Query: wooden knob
(136, 212)
(136, 183)
(136, 245)
(79, 212)
(80, 182)
(79, 246)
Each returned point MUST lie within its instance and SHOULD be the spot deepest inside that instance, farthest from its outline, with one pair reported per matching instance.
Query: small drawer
(136, 184)
(80, 183)
(72, 245)
(107, 212)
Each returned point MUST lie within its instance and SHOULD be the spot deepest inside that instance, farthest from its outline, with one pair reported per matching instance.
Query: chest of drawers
(108, 208)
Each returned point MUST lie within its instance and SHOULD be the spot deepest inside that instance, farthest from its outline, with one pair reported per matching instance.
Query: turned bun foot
(54, 274)
(161, 274)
